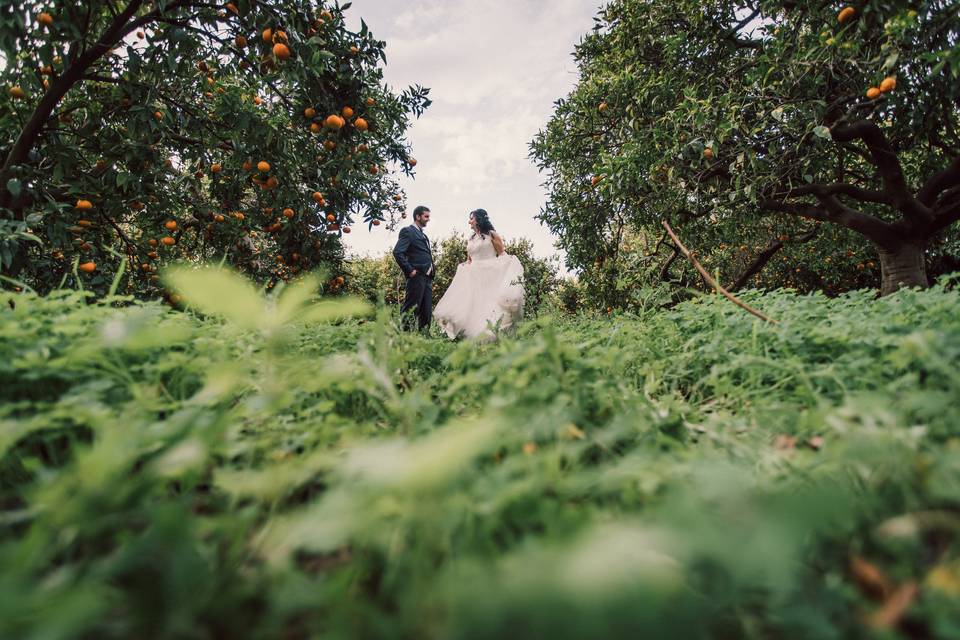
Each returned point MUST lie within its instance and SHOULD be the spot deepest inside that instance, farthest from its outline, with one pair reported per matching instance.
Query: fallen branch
(716, 285)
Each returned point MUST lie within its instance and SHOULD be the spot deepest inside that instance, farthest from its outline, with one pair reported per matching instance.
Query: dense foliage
(816, 140)
(257, 132)
(284, 473)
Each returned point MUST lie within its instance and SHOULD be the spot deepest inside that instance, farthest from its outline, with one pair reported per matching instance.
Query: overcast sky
(494, 68)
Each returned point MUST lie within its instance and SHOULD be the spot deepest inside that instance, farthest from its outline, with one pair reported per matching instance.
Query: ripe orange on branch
(267, 35)
(87, 267)
(361, 124)
(708, 153)
(889, 84)
(84, 205)
(281, 50)
(309, 112)
(873, 93)
(846, 14)
(263, 166)
(334, 122)
(168, 241)
(317, 197)
(17, 92)
(347, 112)
(170, 225)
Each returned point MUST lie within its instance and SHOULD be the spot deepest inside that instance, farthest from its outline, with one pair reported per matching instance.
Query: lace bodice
(481, 248)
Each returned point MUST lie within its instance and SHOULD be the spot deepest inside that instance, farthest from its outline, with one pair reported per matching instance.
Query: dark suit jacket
(413, 251)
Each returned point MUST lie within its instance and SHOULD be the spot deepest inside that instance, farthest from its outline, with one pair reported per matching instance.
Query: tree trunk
(903, 266)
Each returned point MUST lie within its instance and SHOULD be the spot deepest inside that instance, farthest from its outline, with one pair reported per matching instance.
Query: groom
(415, 258)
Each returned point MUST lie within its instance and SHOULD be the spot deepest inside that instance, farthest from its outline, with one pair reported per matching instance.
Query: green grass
(284, 472)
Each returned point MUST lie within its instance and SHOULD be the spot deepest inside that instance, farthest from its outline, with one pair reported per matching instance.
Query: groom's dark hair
(419, 211)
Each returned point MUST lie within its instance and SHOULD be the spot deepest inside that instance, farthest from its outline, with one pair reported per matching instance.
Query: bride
(486, 293)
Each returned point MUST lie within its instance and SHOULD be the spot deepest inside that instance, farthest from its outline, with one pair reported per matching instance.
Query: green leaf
(822, 132)
(13, 186)
(219, 292)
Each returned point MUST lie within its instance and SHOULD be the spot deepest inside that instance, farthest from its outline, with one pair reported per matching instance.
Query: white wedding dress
(485, 294)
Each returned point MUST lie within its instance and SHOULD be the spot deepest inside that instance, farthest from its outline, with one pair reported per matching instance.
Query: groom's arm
(400, 251)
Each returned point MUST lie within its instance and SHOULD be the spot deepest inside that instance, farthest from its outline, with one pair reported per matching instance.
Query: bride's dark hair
(482, 218)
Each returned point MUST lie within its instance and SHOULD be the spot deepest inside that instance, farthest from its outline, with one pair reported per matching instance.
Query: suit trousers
(419, 298)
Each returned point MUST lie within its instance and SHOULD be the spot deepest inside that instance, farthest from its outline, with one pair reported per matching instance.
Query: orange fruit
(329, 145)
(374, 169)
(360, 124)
(602, 107)
(846, 14)
(268, 35)
(280, 36)
(362, 148)
(17, 92)
(288, 213)
(84, 223)
(346, 229)
(170, 225)
(334, 122)
(371, 102)
(168, 241)
(215, 167)
(257, 100)
(412, 162)
(347, 112)
(158, 115)
(88, 267)
(708, 153)
(309, 112)
(889, 84)
(240, 41)
(281, 50)
(354, 50)
(272, 183)
(153, 255)
(314, 127)
(873, 93)
(376, 223)
(218, 218)
(317, 197)
(84, 205)
(331, 217)
(263, 166)
(45, 19)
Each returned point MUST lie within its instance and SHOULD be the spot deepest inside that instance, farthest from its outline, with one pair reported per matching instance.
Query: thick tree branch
(834, 211)
(888, 166)
(940, 182)
(764, 257)
(840, 189)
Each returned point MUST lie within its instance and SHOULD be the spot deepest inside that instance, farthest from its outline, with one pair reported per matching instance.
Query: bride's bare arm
(497, 243)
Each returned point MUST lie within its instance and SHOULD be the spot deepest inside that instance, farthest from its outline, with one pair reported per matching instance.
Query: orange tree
(255, 131)
(809, 143)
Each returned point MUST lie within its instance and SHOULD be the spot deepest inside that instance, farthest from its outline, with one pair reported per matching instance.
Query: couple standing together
(486, 293)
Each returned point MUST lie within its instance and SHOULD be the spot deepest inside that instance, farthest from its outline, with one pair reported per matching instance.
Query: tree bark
(902, 266)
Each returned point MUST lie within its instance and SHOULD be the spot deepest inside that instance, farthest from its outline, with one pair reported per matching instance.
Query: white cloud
(494, 68)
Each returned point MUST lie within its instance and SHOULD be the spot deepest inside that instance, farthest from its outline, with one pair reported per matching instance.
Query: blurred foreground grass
(289, 469)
